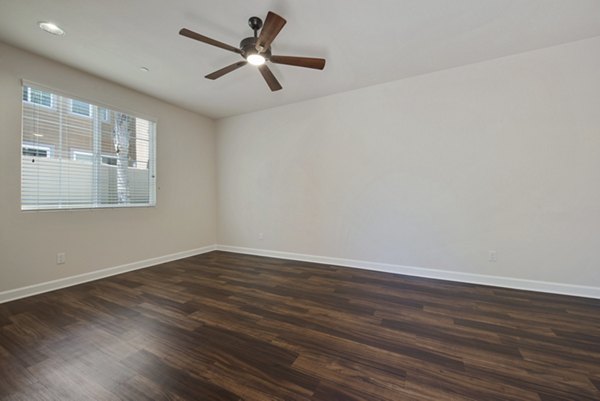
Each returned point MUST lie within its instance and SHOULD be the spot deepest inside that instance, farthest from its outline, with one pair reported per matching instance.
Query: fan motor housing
(255, 23)
(248, 47)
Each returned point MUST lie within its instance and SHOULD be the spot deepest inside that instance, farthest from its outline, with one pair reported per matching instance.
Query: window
(104, 115)
(81, 108)
(106, 160)
(83, 156)
(110, 160)
(37, 96)
(89, 158)
(35, 150)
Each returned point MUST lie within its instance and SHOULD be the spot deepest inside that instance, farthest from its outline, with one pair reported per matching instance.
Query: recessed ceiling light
(144, 69)
(51, 27)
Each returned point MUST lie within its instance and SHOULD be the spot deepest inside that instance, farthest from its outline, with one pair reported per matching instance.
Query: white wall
(432, 171)
(183, 220)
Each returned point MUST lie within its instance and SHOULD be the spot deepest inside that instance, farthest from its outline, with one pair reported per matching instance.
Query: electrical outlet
(493, 256)
(61, 258)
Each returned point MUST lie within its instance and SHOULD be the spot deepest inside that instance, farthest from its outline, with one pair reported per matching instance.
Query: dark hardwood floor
(223, 326)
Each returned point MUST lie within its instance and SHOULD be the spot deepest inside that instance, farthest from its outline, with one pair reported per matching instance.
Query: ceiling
(364, 42)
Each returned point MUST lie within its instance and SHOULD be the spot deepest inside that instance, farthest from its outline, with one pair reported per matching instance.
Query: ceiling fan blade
(193, 35)
(273, 24)
(308, 62)
(226, 70)
(270, 78)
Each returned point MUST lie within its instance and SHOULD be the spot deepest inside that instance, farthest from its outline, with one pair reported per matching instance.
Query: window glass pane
(111, 161)
(104, 114)
(42, 98)
(81, 108)
(36, 152)
(106, 160)
(37, 96)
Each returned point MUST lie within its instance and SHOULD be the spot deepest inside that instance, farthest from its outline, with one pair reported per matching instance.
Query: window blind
(76, 154)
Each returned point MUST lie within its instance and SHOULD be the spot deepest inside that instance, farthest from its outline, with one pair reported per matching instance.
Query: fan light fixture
(256, 50)
(51, 27)
(256, 59)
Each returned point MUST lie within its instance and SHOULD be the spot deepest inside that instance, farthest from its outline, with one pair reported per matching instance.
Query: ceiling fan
(256, 50)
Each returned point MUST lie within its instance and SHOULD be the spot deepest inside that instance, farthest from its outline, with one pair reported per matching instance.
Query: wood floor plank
(225, 326)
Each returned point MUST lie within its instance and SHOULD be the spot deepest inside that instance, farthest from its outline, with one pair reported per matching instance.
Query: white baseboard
(11, 295)
(497, 281)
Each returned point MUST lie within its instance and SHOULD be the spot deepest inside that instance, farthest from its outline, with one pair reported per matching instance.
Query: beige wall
(184, 218)
(433, 171)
